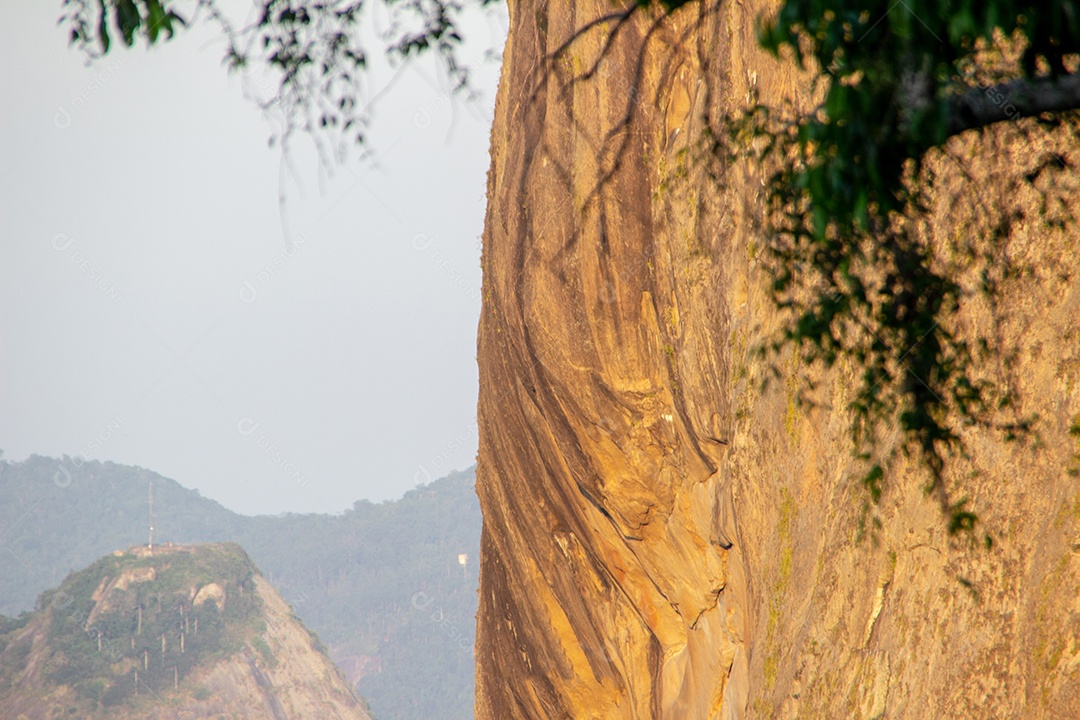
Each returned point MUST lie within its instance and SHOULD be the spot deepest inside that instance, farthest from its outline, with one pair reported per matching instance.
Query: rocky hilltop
(664, 538)
(380, 583)
(185, 631)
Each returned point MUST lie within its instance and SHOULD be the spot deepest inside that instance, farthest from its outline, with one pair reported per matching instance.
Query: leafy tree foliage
(851, 258)
(314, 50)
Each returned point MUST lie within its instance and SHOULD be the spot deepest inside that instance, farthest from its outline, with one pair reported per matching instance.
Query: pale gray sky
(151, 314)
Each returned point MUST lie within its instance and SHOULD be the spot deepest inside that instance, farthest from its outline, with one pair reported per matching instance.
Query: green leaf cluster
(850, 262)
(302, 61)
(95, 24)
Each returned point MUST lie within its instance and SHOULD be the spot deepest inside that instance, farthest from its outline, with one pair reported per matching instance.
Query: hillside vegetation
(192, 628)
(379, 583)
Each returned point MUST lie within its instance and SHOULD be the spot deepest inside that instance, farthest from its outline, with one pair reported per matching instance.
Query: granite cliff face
(663, 538)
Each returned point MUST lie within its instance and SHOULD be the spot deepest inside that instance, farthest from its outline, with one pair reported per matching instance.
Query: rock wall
(300, 681)
(662, 537)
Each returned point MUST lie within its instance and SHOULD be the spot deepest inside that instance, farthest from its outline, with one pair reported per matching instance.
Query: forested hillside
(380, 584)
(193, 629)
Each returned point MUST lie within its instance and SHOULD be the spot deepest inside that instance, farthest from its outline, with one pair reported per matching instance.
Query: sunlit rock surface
(662, 537)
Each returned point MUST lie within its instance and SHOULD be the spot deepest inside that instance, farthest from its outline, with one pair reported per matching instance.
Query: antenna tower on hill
(151, 543)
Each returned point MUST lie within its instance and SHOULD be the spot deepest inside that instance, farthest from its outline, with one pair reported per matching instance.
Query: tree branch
(982, 106)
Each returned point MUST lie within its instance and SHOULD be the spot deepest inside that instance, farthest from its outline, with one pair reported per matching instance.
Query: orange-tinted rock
(663, 538)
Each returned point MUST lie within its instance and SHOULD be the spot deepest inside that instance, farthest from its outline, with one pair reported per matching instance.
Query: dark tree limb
(982, 106)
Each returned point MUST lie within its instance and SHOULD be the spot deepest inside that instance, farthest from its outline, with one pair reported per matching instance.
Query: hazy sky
(152, 314)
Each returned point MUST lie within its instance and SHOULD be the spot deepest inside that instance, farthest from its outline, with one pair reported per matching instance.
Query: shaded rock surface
(664, 538)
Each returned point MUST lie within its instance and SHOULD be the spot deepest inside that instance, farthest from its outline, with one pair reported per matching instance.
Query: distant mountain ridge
(379, 583)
